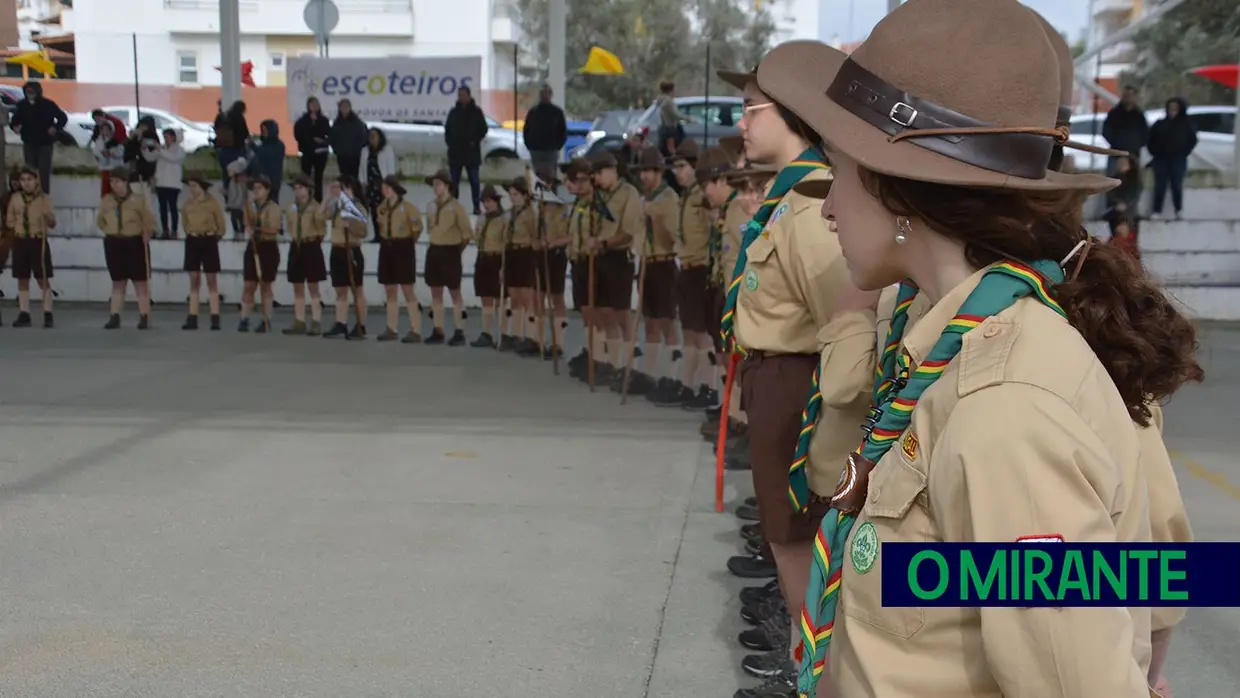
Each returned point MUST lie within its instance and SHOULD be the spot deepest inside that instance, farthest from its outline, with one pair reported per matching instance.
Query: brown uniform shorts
(557, 261)
(347, 267)
(398, 261)
(202, 253)
(268, 260)
(486, 274)
(715, 295)
(32, 258)
(614, 272)
(659, 291)
(774, 390)
(306, 263)
(443, 267)
(519, 267)
(126, 258)
(581, 283)
(691, 292)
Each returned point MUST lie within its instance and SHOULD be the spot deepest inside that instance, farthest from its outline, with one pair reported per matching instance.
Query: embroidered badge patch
(751, 280)
(778, 212)
(864, 548)
(1041, 538)
(908, 445)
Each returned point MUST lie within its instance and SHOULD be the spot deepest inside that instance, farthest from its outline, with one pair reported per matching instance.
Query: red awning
(1222, 74)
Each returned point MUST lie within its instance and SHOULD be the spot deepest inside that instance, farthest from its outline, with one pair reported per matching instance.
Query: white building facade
(176, 42)
(1109, 17)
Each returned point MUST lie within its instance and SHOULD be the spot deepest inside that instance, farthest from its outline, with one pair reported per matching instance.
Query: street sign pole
(230, 52)
(321, 17)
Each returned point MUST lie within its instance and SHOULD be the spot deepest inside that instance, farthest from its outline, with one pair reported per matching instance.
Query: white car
(193, 135)
(426, 139)
(1216, 138)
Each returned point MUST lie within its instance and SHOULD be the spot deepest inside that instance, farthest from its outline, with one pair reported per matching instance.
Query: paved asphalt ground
(238, 515)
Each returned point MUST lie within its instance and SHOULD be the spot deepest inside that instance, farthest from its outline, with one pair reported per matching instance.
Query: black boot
(458, 339)
(358, 332)
(388, 335)
(144, 322)
(705, 399)
(527, 348)
(436, 337)
(114, 322)
(751, 566)
(484, 341)
(215, 323)
(48, 323)
(191, 322)
(338, 329)
(23, 319)
(507, 342)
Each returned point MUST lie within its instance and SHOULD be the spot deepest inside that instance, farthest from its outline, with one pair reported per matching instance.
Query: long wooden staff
(590, 325)
(501, 313)
(720, 444)
(632, 342)
(548, 310)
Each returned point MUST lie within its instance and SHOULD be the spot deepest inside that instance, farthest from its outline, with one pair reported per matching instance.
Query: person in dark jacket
(144, 138)
(1172, 140)
(313, 133)
(231, 136)
(348, 139)
(38, 120)
(269, 157)
(545, 131)
(1125, 127)
(463, 131)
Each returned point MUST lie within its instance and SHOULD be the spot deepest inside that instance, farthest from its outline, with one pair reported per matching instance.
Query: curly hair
(1145, 343)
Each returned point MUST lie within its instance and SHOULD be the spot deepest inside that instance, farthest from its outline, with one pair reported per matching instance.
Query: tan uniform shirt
(399, 221)
(203, 217)
(624, 203)
(268, 221)
(555, 222)
(347, 232)
(794, 273)
(663, 217)
(129, 217)
(693, 228)
(449, 223)
(306, 222)
(1005, 444)
(26, 215)
(733, 229)
(522, 226)
(490, 232)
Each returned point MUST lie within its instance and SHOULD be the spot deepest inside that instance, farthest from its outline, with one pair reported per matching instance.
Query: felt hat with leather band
(687, 151)
(713, 164)
(936, 95)
(1067, 85)
(737, 79)
(602, 161)
(649, 159)
(750, 171)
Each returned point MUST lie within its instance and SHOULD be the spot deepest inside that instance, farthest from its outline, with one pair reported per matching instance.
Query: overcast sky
(853, 19)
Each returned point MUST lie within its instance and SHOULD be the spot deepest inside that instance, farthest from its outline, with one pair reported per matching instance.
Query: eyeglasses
(748, 108)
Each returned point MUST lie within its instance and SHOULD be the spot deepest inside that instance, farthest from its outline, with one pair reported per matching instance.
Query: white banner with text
(382, 89)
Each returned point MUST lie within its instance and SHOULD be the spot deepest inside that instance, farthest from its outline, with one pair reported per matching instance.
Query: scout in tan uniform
(790, 286)
(399, 224)
(490, 235)
(127, 225)
(203, 219)
(716, 197)
(450, 232)
(343, 207)
(1061, 426)
(30, 217)
(620, 227)
(661, 211)
(553, 228)
(520, 267)
(261, 260)
(583, 225)
(306, 226)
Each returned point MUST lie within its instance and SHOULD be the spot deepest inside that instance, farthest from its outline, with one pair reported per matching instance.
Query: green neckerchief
(897, 389)
(654, 194)
(26, 212)
(258, 216)
(491, 216)
(120, 210)
(300, 211)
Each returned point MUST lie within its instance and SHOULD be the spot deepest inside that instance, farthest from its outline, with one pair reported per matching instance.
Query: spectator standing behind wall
(1125, 127)
(39, 121)
(1172, 140)
(107, 144)
(463, 132)
(546, 131)
(231, 135)
(313, 134)
(348, 139)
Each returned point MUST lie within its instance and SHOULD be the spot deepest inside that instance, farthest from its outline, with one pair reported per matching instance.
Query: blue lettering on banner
(393, 84)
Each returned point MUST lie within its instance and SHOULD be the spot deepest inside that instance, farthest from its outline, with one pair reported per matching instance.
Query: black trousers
(313, 165)
(349, 164)
(169, 217)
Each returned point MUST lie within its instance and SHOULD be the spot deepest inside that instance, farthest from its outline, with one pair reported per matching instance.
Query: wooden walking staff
(724, 418)
(531, 186)
(590, 326)
(632, 343)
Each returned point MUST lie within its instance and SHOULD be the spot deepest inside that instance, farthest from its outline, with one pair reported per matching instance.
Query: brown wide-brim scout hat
(440, 175)
(736, 78)
(490, 192)
(602, 161)
(547, 175)
(395, 184)
(688, 151)
(734, 145)
(576, 167)
(713, 164)
(200, 179)
(302, 181)
(935, 94)
(519, 184)
(649, 159)
(751, 171)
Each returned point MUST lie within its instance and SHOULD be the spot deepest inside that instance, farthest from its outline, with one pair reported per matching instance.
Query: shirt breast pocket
(760, 272)
(894, 512)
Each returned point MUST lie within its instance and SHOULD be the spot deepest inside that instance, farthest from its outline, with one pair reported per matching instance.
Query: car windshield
(613, 121)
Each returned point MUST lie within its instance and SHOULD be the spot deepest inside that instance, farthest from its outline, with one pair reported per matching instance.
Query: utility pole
(230, 52)
(558, 15)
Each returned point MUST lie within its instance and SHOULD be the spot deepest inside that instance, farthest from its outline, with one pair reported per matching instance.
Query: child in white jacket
(168, 160)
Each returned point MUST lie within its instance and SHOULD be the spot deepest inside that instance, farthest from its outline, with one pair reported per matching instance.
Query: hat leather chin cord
(1019, 151)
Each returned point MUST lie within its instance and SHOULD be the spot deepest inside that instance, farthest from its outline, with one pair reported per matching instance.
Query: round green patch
(751, 280)
(864, 548)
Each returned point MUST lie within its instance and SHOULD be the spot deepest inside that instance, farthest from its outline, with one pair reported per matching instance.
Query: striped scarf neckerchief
(714, 245)
(391, 213)
(684, 201)
(512, 222)
(486, 224)
(793, 172)
(299, 208)
(897, 388)
(654, 194)
(258, 218)
(120, 212)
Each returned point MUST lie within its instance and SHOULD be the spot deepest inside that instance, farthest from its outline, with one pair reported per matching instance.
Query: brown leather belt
(491, 254)
(662, 258)
(894, 111)
(520, 247)
(691, 265)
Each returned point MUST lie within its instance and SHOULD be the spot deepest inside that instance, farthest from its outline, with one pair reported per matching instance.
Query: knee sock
(522, 320)
(117, 302)
(692, 357)
(707, 371)
(48, 296)
(144, 302)
(531, 329)
(193, 302)
(599, 350)
(650, 359)
(673, 366)
(437, 314)
(618, 346)
(316, 309)
(505, 324)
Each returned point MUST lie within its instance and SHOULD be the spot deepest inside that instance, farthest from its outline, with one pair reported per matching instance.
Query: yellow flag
(602, 62)
(36, 60)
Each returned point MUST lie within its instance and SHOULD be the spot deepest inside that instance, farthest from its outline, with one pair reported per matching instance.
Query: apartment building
(1109, 17)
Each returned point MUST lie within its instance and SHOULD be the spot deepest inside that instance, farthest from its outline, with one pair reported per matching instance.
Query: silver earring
(905, 229)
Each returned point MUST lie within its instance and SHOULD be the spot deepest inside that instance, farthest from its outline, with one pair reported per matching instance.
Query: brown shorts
(202, 253)
(557, 261)
(347, 267)
(519, 267)
(305, 263)
(774, 390)
(268, 260)
(659, 292)
(615, 271)
(443, 267)
(398, 260)
(581, 283)
(486, 274)
(715, 296)
(32, 258)
(691, 294)
(126, 258)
